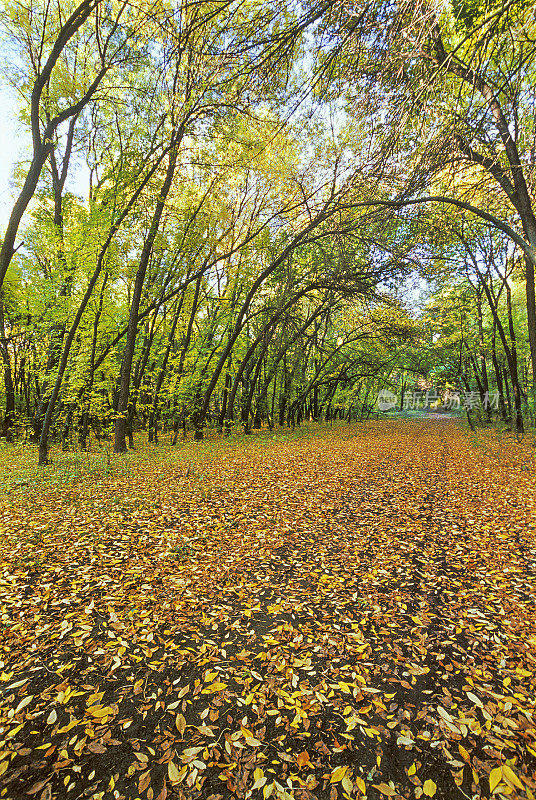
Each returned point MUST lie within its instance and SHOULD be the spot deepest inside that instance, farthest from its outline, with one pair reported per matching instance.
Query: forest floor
(337, 612)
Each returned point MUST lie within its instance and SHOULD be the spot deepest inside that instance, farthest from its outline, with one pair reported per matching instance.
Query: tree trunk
(9, 415)
(153, 417)
(512, 363)
(120, 445)
(482, 358)
(498, 374)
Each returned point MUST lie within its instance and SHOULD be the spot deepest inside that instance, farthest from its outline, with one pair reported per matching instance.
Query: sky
(14, 145)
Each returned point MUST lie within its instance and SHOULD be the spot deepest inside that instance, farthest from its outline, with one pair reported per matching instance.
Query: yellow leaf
(173, 772)
(204, 729)
(191, 751)
(338, 774)
(360, 784)
(260, 780)
(180, 723)
(24, 703)
(444, 713)
(67, 727)
(463, 752)
(100, 711)
(523, 672)
(429, 788)
(474, 699)
(413, 769)
(495, 777)
(511, 777)
(347, 785)
(217, 686)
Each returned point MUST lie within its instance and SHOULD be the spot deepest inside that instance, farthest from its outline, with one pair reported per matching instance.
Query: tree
(460, 77)
(48, 43)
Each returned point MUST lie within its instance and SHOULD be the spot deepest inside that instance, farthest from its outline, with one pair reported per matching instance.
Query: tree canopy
(225, 207)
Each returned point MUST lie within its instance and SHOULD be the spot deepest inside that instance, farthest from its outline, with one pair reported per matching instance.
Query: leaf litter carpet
(346, 614)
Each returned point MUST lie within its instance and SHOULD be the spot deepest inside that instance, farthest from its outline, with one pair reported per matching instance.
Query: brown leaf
(163, 792)
(38, 786)
(144, 781)
(95, 747)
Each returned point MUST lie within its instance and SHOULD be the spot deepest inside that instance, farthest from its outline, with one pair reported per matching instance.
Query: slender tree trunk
(185, 346)
(498, 373)
(507, 393)
(516, 189)
(512, 363)
(249, 398)
(86, 406)
(153, 418)
(67, 428)
(266, 333)
(7, 250)
(43, 440)
(271, 421)
(120, 445)
(510, 350)
(283, 395)
(482, 358)
(223, 411)
(56, 330)
(297, 240)
(9, 415)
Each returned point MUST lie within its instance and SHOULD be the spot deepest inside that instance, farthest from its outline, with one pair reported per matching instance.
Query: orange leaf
(385, 789)
(144, 781)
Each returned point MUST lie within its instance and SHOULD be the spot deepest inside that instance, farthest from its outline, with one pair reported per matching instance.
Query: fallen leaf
(429, 788)
(384, 788)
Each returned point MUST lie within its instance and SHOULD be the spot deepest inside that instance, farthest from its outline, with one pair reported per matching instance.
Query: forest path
(350, 613)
